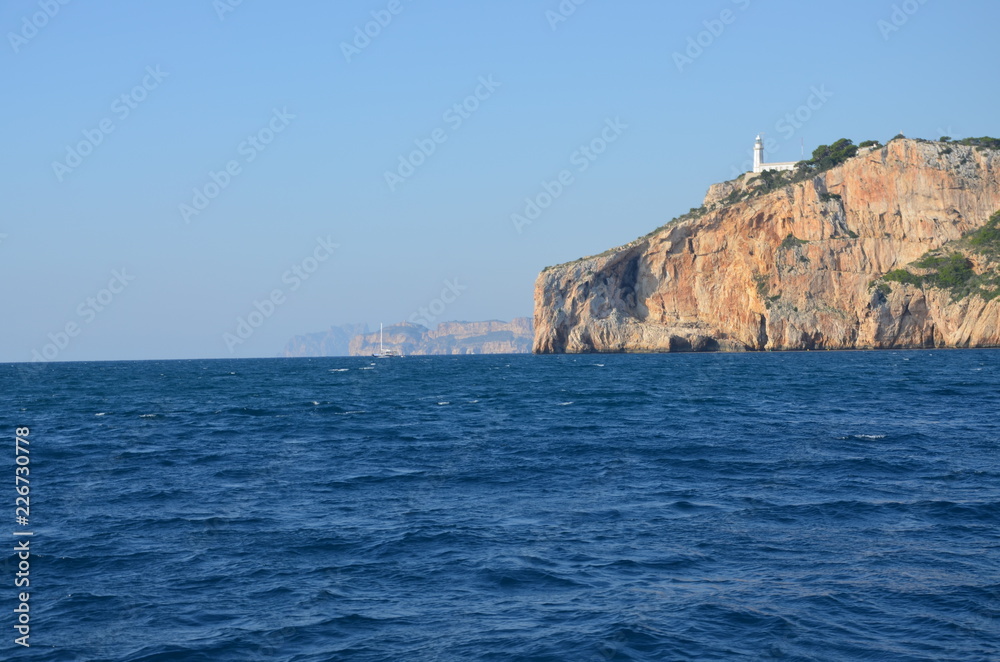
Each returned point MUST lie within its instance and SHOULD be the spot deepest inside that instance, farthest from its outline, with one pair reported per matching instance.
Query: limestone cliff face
(791, 269)
(492, 337)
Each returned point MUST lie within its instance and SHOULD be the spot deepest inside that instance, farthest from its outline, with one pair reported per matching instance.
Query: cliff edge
(897, 246)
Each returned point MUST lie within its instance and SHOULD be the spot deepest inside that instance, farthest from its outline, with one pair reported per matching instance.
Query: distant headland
(449, 338)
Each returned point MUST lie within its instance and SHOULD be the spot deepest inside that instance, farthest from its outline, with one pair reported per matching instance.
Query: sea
(580, 508)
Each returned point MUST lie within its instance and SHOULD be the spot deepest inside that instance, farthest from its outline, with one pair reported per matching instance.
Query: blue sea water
(798, 506)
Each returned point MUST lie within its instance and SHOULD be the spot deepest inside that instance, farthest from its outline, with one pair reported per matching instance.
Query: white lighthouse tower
(758, 159)
(758, 154)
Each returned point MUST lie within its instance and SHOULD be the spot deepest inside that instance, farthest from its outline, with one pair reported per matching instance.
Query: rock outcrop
(800, 267)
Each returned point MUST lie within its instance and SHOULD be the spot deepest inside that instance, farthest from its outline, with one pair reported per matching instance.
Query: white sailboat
(384, 353)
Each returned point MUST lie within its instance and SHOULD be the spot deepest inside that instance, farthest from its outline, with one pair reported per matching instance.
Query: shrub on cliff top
(770, 180)
(985, 142)
(825, 157)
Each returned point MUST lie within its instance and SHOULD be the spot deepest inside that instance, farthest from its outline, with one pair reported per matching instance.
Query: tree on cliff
(825, 157)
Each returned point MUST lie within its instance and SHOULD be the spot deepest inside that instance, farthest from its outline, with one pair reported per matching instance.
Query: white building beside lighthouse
(758, 159)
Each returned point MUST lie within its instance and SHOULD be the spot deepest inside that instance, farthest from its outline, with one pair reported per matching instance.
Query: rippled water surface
(810, 506)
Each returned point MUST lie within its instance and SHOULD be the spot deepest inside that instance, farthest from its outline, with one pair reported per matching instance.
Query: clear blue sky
(224, 73)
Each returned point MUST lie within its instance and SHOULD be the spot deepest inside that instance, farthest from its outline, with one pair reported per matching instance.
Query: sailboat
(384, 353)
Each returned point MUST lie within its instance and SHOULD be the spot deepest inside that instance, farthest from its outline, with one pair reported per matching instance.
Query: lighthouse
(758, 154)
(758, 159)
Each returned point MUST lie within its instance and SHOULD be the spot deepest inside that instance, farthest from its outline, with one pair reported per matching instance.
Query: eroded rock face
(733, 280)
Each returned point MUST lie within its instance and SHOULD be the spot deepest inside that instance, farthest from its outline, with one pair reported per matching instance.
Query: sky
(208, 178)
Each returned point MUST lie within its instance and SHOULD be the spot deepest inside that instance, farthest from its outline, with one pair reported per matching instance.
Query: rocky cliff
(492, 337)
(873, 253)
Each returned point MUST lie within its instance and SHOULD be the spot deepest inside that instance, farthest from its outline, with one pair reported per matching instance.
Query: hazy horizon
(174, 169)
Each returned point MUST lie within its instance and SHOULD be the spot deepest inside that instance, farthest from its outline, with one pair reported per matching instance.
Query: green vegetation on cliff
(982, 143)
(948, 268)
(987, 238)
(791, 241)
(826, 157)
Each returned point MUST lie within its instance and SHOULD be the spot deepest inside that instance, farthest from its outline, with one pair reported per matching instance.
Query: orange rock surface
(731, 279)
